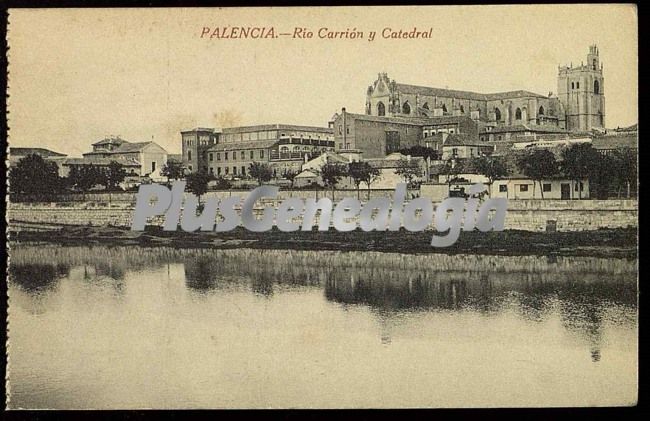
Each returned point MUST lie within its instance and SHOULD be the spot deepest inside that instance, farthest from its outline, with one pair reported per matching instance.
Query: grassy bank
(603, 242)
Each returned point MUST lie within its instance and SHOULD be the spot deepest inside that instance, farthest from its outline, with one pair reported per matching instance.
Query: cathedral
(578, 107)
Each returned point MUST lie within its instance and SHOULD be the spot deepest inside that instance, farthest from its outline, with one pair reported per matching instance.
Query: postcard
(322, 207)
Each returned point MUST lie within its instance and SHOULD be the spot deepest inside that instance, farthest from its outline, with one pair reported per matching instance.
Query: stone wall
(530, 215)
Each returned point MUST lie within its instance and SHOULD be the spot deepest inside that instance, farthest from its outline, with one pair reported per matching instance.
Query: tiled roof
(39, 151)
(615, 142)
(201, 129)
(109, 140)
(513, 94)
(462, 139)
(132, 147)
(101, 161)
(631, 128)
(235, 146)
(125, 147)
(307, 174)
(525, 128)
(424, 90)
(413, 121)
(383, 163)
(261, 127)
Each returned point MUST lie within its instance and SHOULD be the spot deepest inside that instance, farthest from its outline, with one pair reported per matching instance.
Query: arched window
(462, 109)
(573, 85)
(426, 106)
(406, 108)
(444, 108)
(596, 87)
(541, 110)
(381, 109)
(594, 66)
(518, 114)
(497, 114)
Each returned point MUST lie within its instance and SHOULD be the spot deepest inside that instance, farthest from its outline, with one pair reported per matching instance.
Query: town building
(377, 137)
(16, 154)
(149, 156)
(283, 147)
(387, 166)
(617, 140)
(581, 90)
(311, 170)
(195, 144)
(462, 146)
(522, 132)
(132, 167)
(579, 105)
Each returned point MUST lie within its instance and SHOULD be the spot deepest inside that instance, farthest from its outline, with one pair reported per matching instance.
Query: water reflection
(251, 311)
(37, 277)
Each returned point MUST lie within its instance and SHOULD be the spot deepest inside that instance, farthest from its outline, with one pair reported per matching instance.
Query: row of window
(576, 85)
(203, 141)
(433, 132)
(271, 135)
(233, 156)
(546, 187)
(226, 171)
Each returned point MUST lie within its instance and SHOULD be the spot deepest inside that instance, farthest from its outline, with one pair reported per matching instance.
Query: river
(130, 327)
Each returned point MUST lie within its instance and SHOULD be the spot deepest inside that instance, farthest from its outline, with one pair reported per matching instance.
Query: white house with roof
(150, 156)
(388, 178)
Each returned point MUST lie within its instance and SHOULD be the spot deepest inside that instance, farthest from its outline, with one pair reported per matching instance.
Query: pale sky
(78, 75)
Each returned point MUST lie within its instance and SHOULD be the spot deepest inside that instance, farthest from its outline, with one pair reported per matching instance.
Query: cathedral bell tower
(581, 91)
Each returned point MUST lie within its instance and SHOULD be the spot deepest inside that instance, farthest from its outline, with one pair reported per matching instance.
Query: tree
(197, 183)
(115, 174)
(372, 175)
(222, 183)
(538, 165)
(290, 175)
(451, 169)
(601, 180)
(357, 171)
(173, 170)
(34, 175)
(492, 168)
(260, 171)
(363, 172)
(409, 170)
(85, 177)
(331, 174)
(578, 163)
(625, 165)
(423, 151)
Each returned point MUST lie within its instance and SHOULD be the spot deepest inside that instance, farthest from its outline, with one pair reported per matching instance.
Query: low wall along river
(528, 215)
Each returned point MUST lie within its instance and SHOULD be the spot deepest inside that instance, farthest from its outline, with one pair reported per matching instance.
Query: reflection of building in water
(583, 314)
(411, 294)
(580, 300)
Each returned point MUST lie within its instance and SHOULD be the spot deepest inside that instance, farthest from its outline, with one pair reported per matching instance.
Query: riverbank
(618, 242)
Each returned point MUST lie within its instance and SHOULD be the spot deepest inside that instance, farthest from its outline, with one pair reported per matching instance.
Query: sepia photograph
(322, 207)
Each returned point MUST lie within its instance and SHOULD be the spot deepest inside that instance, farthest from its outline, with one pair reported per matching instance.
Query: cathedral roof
(425, 90)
